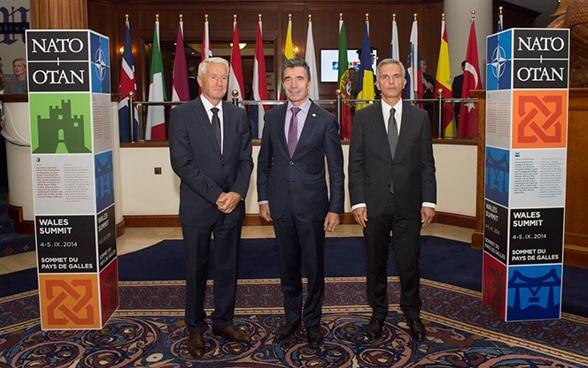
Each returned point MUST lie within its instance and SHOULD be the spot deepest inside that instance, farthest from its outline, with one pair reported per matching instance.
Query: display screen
(330, 63)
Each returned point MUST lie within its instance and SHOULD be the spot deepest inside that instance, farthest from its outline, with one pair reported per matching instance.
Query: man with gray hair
(392, 188)
(210, 149)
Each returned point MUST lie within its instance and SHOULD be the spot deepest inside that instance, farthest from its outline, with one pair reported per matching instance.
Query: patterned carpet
(11, 242)
(148, 331)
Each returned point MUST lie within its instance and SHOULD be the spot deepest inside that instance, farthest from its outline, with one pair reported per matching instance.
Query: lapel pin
(314, 115)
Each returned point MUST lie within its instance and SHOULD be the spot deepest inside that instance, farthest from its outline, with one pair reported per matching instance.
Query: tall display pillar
(72, 169)
(525, 172)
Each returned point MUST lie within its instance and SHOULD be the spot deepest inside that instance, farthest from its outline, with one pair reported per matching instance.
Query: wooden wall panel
(59, 14)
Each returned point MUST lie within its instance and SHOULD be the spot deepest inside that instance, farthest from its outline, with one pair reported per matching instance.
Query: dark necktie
(293, 131)
(392, 138)
(216, 125)
(392, 132)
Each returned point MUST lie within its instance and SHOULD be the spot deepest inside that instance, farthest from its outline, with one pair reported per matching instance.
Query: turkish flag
(468, 116)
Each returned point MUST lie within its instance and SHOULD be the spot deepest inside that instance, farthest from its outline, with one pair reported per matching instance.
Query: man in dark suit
(210, 148)
(428, 91)
(392, 187)
(292, 192)
(428, 81)
(193, 82)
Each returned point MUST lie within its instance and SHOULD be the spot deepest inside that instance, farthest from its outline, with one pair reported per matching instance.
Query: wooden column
(59, 14)
(478, 235)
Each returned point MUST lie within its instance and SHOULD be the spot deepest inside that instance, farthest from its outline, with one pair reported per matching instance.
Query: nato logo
(100, 61)
(499, 66)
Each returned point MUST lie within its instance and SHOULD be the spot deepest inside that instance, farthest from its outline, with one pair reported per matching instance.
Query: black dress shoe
(417, 330)
(374, 328)
(233, 333)
(286, 330)
(314, 335)
(196, 345)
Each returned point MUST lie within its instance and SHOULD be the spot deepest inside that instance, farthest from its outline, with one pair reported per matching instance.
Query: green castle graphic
(61, 132)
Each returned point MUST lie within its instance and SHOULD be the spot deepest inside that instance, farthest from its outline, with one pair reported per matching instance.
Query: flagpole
(440, 90)
(338, 91)
(131, 116)
(500, 20)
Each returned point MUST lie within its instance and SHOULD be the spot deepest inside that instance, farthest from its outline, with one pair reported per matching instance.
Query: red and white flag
(468, 115)
(236, 70)
(259, 87)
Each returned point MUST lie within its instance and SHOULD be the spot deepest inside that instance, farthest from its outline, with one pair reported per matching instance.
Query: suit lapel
(310, 125)
(405, 126)
(281, 125)
(379, 136)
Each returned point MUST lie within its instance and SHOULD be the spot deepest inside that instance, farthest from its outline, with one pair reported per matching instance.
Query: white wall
(456, 178)
(144, 193)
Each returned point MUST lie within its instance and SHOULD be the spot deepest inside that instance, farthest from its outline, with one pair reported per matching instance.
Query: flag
(310, 58)
(365, 81)
(468, 113)
(180, 91)
(236, 70)
(155, 127)
(260, 93)
(500, 26)
(288, 53)
(127, 85)
(394, 53)
(443, 83)
(206, 51)
(345, 85)
(413, 66)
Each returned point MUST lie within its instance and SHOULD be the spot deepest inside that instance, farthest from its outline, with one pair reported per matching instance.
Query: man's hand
(331, 221)
(264, 212)
(430, 86)
(227, 202)
(360, 216)
(427, 215)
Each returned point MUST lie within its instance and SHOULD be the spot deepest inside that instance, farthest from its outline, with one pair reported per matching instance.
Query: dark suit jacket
(301, 178)
(197, 160)
(371, 168)
(428, 93)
